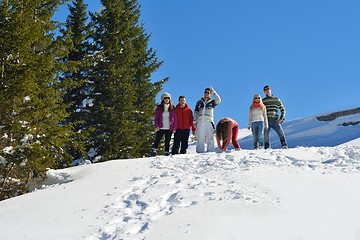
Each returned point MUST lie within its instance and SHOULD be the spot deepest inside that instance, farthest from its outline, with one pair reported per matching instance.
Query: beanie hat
(164, 95)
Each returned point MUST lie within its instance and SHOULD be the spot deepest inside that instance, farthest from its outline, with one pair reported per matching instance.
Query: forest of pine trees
(74, 90)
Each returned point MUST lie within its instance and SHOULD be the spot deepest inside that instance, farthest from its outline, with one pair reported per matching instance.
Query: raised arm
(216, 96)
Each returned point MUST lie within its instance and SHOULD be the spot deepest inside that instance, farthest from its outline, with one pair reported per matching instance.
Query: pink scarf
(256, 104)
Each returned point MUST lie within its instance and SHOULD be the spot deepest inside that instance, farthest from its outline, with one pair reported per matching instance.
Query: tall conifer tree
(74, 82)
(31, 138)
(124, 95)
(146, 63)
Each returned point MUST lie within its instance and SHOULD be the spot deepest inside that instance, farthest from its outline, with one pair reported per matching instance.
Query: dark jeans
(278, 129)
(181, 137)
(158, 137)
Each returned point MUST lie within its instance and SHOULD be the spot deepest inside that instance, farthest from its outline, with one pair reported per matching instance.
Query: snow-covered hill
(303, 192)
(312, 132)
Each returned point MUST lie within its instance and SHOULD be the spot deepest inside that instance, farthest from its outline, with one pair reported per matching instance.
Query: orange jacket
(185, 119)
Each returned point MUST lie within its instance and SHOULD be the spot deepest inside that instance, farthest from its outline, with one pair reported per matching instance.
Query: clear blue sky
(308, 51)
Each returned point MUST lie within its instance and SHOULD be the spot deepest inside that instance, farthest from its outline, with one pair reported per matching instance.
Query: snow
(309, 191)
(26, 99)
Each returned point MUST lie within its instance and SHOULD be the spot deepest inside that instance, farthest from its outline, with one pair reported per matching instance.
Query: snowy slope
(309, 132)
(298, 193)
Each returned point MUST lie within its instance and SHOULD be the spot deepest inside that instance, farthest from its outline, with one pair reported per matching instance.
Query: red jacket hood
(178, 106)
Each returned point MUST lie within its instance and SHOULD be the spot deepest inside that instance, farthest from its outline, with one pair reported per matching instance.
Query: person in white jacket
(257, 121)
(204, 120)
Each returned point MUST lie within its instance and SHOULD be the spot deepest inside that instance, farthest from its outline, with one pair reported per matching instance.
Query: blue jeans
(278, 129)
(257, 129)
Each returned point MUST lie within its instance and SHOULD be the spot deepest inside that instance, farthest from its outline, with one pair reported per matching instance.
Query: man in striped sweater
(273, 104)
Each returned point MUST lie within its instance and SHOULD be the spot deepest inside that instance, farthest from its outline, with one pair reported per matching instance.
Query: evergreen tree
(146, 63)
(124, 96)
(31, 138)
(74, 82)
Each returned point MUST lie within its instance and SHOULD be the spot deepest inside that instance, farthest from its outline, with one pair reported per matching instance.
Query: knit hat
(164, 95)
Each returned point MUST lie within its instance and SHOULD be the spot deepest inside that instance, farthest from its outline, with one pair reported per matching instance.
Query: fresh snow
(309, 191)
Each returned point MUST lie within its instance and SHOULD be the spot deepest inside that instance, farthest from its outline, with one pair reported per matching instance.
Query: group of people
(179, 120)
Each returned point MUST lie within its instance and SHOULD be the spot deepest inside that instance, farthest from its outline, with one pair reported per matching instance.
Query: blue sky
(307, 51)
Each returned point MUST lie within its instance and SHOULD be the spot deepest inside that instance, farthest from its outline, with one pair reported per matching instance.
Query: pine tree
(146, 63)
(74, 82)
(31, 137)
(124, 95)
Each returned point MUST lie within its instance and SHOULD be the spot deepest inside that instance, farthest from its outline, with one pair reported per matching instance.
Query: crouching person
(226, 129)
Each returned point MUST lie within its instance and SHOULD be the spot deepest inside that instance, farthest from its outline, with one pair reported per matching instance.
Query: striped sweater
(273, 104)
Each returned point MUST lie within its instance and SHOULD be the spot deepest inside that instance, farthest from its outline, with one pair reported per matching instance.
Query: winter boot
(166, 153)
(154, 152)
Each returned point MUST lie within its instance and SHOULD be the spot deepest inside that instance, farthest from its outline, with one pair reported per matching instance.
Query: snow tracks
(184, 181)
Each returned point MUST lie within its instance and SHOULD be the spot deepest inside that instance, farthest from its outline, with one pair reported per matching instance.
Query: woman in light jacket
(257, 121)
(165, 123)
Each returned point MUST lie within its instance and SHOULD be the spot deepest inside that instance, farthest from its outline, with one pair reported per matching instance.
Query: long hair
(171, 106)
(222, 130)
(262, 105)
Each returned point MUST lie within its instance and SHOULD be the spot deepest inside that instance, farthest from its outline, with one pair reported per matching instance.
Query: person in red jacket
(185, 122)
(227, 129)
